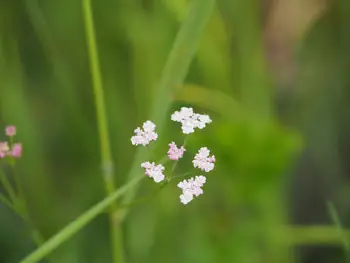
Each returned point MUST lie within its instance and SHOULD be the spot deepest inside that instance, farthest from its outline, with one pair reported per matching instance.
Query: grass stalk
(102, 122)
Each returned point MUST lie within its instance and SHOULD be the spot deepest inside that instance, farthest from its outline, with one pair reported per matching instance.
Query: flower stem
(18, 205)
(106, 156)
(7, 202)
(74, 227)
(7, 185)
(335, 217)
(145, 198)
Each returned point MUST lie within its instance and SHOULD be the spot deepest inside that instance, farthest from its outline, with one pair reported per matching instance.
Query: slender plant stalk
(7, 185)
(174, 73)
(342, 235)
(74, 227)
(7, 202)
(106, 156)
(313, 235)
(18, 204)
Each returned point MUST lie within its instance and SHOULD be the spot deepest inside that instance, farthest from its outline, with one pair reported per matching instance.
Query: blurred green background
(272, 74)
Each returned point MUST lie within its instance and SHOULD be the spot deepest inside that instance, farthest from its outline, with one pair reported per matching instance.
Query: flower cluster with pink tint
(190, 188)
(203, 161)
(154, 171)
(190, 121)
(174, 152)
(9, 149)
(145, 135)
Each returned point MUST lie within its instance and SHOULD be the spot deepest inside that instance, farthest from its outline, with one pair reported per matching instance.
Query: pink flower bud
(10, 130)
(16, 150)
(174, 152)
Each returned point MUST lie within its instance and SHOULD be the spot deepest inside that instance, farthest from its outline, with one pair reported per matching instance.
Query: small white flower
(186, 197)
(146, 135)
(154, 171)
(148, 126)
(203, 161)
(191, 187)
(188, 126)
(200, 180)
(190, 120)
(203, 120)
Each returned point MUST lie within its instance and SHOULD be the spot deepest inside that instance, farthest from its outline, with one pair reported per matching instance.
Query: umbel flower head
(9, 149)
(191, 187)
(154, 171)
(190, 120)
(203, 161)
(146, 135)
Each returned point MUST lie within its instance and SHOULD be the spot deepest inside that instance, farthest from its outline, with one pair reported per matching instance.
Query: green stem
(7, 185)
(174, 73)
(145, 198)
(21, 208)
(74, 227)
(6, 202)
(34, 232)
(106, 156)
(335, 217)
(313, 235)
(179, 176)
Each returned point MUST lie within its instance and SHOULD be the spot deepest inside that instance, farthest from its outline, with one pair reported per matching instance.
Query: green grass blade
(102, 121)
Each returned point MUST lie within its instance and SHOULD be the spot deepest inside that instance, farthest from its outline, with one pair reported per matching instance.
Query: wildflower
(154, 171)
(203, 161)
(184, 113)
(146, 135)
(16, 150)
(174, 152)
(190, 120)
(190, 188)
(10, 130)
(4, 149)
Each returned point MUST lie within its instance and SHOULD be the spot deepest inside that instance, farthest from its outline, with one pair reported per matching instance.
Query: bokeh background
(272, 74)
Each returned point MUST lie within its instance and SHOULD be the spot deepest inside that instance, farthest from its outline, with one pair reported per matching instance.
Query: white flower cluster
(190, 188)
(146, 135)
(190, 120)
(154, 171)
(203, 161)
